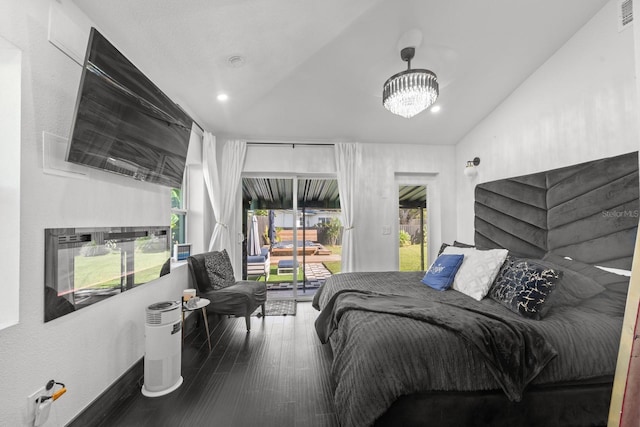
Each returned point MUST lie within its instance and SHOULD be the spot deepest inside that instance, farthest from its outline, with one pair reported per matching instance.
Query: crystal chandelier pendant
(412, 91)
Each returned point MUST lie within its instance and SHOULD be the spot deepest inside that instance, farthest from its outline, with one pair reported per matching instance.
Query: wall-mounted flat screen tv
(123, 123)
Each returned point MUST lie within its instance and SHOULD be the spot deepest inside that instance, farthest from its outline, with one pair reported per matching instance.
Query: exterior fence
(313, 234)
(414, 230)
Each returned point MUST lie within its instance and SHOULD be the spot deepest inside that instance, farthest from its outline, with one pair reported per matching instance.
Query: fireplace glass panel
(84, 266)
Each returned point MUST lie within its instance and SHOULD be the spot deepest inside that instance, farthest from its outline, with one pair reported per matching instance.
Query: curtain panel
(222, 179)
(348, 160)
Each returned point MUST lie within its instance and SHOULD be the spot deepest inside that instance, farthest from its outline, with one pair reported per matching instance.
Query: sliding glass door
(298, 233)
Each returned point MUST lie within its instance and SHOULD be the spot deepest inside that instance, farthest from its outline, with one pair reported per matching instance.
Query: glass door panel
(301, 234)
(412, 226)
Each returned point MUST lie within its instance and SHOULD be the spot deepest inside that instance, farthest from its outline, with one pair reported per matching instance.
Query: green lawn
(104, 271)
(275, 278)
(334, 266)
(409, 261)
(410, 258)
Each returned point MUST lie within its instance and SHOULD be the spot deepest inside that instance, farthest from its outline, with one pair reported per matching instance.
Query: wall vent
(625, 14)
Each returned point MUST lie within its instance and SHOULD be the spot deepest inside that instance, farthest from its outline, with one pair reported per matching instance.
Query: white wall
(578, 106)
(10, 78)
(88, 349)
(377, 190)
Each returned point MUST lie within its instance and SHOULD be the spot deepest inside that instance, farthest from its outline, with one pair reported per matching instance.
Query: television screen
(123, 123)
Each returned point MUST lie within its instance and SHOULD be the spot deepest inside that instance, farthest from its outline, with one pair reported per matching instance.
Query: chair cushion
(264, 256)
(285, 263)
(219, 269)
(240, 298)
(256, 259)
(211, 270)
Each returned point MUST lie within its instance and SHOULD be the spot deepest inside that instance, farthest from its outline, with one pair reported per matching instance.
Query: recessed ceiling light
(222, 97)
(435, 108)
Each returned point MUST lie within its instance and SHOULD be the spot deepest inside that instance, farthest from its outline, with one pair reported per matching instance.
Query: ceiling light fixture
(222, 97)
(411, 91)
(435, 109)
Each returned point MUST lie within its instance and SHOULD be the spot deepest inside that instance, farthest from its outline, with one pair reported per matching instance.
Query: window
(178, 216)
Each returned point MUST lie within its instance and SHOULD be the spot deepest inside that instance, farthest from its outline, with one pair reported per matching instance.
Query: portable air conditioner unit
(162, 355)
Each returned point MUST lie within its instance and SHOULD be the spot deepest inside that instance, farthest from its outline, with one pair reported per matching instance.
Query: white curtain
(348, 159)
(222, 179)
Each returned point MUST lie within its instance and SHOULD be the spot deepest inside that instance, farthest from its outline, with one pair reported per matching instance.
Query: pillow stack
(528, 287)
(469, 270)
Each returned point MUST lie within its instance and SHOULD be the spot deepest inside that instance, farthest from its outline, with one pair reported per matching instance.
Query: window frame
(181, 211)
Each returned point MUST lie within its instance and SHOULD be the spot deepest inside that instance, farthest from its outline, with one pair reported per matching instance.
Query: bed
(407, 354)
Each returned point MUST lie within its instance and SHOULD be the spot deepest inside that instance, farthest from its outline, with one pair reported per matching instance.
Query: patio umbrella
(253, 241)
(272, 227)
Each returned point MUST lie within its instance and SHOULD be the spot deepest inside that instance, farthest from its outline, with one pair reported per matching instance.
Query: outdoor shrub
(405, 238)
(151, 245)
(93, 249)
(332, 231)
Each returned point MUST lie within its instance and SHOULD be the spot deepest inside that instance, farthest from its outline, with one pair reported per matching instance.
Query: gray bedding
(378, 357)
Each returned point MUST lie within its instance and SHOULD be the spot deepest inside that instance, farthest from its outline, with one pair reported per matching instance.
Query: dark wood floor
(276, 375)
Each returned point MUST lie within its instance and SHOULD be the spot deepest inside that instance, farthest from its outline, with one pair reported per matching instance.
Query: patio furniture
(285, 248)
(259, 265)
(285, 266)
(213, 275)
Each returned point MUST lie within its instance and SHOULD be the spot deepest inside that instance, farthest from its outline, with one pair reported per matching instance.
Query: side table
(200, 305)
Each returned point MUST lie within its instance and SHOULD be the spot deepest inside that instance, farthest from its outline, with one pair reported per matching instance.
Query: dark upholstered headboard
(588, 212)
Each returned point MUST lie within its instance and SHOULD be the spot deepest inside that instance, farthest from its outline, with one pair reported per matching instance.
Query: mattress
(379, 357)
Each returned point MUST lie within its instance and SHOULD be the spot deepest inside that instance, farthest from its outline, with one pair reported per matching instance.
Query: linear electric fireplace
(86, 265)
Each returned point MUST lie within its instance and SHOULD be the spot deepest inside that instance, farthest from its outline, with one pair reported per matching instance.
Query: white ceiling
(314, 69)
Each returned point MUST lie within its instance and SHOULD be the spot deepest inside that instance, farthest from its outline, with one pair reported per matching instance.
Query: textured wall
(578, 106)
(383, 167)
(88, 349)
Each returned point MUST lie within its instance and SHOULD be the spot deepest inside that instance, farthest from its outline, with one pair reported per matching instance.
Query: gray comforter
(379, 357)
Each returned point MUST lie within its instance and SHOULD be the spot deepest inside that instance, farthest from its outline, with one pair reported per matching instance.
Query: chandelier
(412, 91)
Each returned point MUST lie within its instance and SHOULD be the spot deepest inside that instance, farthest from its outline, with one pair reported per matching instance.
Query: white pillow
(478, 270)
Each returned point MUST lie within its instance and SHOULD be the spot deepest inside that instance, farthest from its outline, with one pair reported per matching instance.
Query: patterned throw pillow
(442, 271)
(524, 286)
(478, 270)
(219, 269)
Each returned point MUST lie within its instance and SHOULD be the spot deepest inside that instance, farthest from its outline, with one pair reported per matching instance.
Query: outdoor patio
(316, 274)
(273, 262)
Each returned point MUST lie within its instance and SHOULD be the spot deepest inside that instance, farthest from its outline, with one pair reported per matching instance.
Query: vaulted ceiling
(312, 70)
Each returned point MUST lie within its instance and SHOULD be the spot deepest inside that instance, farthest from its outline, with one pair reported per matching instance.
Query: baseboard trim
(128, 383)
(125, 386)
